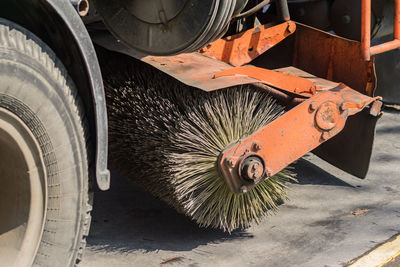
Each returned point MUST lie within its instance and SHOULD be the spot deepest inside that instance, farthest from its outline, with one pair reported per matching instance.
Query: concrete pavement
(330, 219)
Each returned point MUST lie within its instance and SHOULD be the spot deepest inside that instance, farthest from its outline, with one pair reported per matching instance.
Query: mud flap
(351, 149)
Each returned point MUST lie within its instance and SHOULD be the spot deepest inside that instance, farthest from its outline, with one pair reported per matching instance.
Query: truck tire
(44, 201)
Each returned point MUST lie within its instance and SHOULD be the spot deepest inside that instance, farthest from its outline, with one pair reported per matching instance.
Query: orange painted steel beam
(294, 134)
(242, 48)
(280, 80)
(381, 48)
(366, 49)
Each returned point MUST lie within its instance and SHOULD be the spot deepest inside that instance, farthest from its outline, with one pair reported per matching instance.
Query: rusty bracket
(242, 48)
(248, 162)
(280, 80)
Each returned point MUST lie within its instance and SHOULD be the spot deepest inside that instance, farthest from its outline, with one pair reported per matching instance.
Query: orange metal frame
(367, 50)
(295, 133)
(320, 116)
(242, 48)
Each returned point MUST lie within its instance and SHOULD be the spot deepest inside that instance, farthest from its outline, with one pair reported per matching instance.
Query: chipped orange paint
(242, 48)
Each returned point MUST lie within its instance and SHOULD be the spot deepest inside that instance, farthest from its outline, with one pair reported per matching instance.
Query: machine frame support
(242, 48)
(278, 144)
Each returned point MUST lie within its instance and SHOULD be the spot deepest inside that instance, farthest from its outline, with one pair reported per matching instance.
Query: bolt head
(291, 27)
(313, 106)
(229, 162)
(343, 107)
(268, 172)
(256, 147)
(325, 135)
(243, 189)
(252, 169)
(327, 116)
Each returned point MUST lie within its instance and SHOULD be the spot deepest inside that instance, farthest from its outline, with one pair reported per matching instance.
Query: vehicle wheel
(44, 200)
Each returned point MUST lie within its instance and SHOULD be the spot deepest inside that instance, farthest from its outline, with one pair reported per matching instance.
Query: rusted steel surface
(366, 48)
(280, 80)
(322, 59)
(199, 71)
(191, 69)
(242, 48)
(295, 133)
(321, 54)
(333, 58)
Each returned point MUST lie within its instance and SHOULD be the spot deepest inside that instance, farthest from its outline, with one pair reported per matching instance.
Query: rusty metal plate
(333, 58)
(198, 71)
(191, 69)
(242, 48)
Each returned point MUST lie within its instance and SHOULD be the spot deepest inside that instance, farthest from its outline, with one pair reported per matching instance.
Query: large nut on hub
(327, 116)
(252, 169)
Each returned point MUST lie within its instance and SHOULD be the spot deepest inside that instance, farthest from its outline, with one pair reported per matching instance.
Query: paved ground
(315, 228)
(394, 263)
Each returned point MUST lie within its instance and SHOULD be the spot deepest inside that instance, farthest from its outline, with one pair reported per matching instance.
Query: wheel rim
(22, 192)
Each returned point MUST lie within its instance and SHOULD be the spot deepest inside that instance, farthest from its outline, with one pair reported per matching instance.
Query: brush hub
(252, 169)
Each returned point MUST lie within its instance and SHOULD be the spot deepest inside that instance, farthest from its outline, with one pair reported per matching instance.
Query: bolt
(82, 6)
(268, 172)
(256, 147)
(243, 189)
(343, 107)
(254, 173)
(313, 106)
(252, 169)
(325, 135)
(291, 27)
(255, 166)
(229, 162)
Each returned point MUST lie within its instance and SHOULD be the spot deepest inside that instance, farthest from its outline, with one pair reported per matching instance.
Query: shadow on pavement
(126, 218)
(309, 173)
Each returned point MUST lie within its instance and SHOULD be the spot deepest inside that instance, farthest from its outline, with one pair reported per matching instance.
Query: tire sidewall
(36, 88)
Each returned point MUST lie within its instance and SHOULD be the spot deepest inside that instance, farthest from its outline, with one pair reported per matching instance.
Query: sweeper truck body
(204, 104)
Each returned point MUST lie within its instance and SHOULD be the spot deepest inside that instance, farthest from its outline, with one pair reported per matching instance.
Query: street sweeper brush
(167, 137)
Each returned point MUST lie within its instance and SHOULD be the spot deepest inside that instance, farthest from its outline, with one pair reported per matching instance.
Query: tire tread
(16, 38)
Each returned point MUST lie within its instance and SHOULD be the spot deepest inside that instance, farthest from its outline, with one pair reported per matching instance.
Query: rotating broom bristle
(166, 137)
